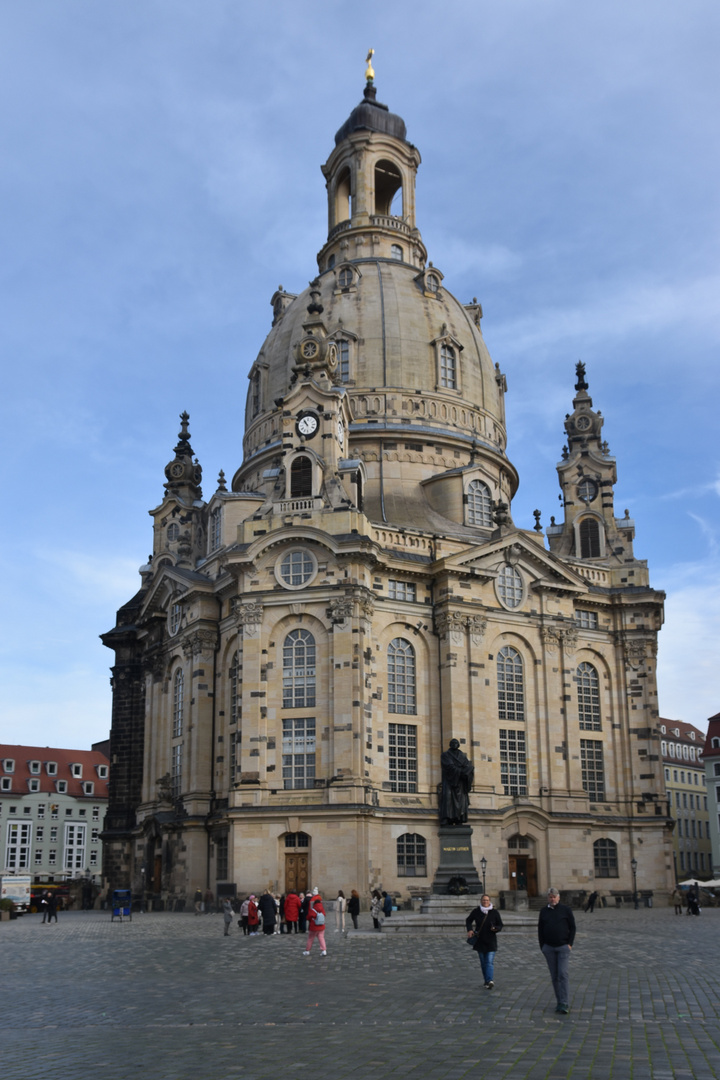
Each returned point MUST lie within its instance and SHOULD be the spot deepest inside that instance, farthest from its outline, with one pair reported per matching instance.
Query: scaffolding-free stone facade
(305, 644)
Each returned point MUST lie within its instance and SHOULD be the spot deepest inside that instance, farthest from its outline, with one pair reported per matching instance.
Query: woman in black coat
(353, 907)
(488, 925)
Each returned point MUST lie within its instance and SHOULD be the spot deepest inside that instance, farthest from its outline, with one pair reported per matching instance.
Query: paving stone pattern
(168, 997)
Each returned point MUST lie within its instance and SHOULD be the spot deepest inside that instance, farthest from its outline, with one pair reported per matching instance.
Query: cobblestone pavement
(168, 997)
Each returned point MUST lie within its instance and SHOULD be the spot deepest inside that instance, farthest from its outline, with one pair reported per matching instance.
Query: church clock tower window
(479, 505)
(589, 539)
(301, 478)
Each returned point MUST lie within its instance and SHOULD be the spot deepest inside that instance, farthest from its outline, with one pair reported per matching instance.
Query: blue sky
(160, 177)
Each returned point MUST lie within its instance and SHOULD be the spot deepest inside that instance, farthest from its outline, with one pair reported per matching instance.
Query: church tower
(306, 643)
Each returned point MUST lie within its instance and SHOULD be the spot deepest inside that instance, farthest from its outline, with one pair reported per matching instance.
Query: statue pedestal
(456, 859)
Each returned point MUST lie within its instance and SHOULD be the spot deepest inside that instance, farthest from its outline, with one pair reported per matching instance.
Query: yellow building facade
(306, 642)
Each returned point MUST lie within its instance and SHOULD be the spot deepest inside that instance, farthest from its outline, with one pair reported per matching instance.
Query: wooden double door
(296, 872)
(523, 874)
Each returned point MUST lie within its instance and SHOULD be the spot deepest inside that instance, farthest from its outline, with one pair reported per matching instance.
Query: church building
(308, 638)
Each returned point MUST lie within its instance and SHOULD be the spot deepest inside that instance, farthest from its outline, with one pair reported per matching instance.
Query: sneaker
(490, 985)
(305, 953)
(564, 1009)
(323, 953)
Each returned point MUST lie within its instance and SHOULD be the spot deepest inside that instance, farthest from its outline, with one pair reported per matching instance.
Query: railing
(295, 506)
(386, 222)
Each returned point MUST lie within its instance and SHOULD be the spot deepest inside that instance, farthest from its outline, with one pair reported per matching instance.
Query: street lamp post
(633, 867)
(483, 867)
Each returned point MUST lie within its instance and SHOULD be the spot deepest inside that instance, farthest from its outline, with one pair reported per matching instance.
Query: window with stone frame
(298, 752)
(588, 694)
(235, 749)
(215, 530)
(402, 686)
(605, 858)
(299, 670)
(513, 762)
(221, 856)
(411, 855)
(235, 689)
(479, 505)
(402, 757)
(510, 586)
(402, 590)
(343, 346)
(301, 478)
(511, 685)
(593, 769)
(17, 846)
(589, 539)
(178, 703)
(448, 367)
(586, 620)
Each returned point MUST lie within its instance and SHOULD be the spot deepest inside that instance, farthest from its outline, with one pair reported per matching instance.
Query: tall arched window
(479, 504)
(588, 691)
(401, 677)
(605, 858)
(301, 478)
(342, 196)
(178, 703)
(511, 689)
(589, 539)
(388, 182)
(255, 394)
(299, 670)
(235, 688)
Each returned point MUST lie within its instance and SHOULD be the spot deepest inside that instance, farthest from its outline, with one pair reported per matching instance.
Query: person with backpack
(316, 924)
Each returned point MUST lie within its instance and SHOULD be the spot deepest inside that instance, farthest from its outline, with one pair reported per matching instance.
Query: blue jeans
(558, 959)
(487, 960)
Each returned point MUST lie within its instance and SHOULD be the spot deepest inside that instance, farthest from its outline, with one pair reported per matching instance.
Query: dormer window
(76, 771)
(9, 765)
(61, 787)
(102, 771)
(662, 729)
(88, 787)
(479, 504)
(692, 736)
(5, 783)
(33, 785)
(34, 767)
(432, 283)
(345, 278)
(448, 367)
(51, 768)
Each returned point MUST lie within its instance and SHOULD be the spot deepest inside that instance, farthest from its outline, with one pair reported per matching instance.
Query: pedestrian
(280, 905)
(387, 905)
(316, 921)
(227, 915)
(693, 901)
(304, 905)
(244, 909)
(44, 906)
(292, 912)
(253, 917)
(340, 912)
(52, 902)
(376, 908)
(592, 900)
(556, 934)
(488, 925)
(676, 900)
(208, 901)
(268, 911)
(353, 907)
(198, 901)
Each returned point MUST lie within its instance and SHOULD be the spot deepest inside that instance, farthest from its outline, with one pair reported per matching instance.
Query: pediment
(171, 583)
(543, 569)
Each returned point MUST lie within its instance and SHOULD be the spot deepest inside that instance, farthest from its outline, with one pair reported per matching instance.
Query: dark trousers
(558, 960)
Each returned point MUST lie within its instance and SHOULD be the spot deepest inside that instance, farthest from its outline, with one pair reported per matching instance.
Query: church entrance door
(296, 872)
(523, 874)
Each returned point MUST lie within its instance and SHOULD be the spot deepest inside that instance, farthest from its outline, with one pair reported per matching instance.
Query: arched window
(235, 688)
(173, 531)
(448, 367)
(178, 703)
(299, 670)
(511, 690)
(432, 283)
(589, 539)
(301, 478)
(388, 182)
(605, 858)
(215, 530)
(588, 691)
(255, 394)
(343, 346)
(401, 677)
(510, 586)
(396, 252)
(479, 504)
(411, 855)
(342, 197)
(345, 278)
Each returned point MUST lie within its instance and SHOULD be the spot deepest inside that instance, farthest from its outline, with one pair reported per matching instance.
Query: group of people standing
(292, 913)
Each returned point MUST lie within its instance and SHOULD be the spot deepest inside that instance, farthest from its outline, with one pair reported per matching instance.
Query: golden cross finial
(369, 73)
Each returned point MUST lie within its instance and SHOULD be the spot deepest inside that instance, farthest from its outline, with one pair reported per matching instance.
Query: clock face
(309, 349)
(582, 423)
(307, 425)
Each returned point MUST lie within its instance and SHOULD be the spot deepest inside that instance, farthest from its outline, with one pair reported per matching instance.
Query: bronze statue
(458, 773)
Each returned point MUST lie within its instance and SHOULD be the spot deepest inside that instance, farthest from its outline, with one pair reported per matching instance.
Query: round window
(296, 568)
(510, 587)
(587, 490)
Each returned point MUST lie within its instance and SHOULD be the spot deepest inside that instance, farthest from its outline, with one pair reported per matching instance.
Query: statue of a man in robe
(458, 773)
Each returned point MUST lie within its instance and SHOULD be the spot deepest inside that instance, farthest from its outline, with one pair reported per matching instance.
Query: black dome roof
(371, 115)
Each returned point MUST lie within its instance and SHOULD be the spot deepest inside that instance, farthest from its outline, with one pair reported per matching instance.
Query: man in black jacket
(556, 933)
